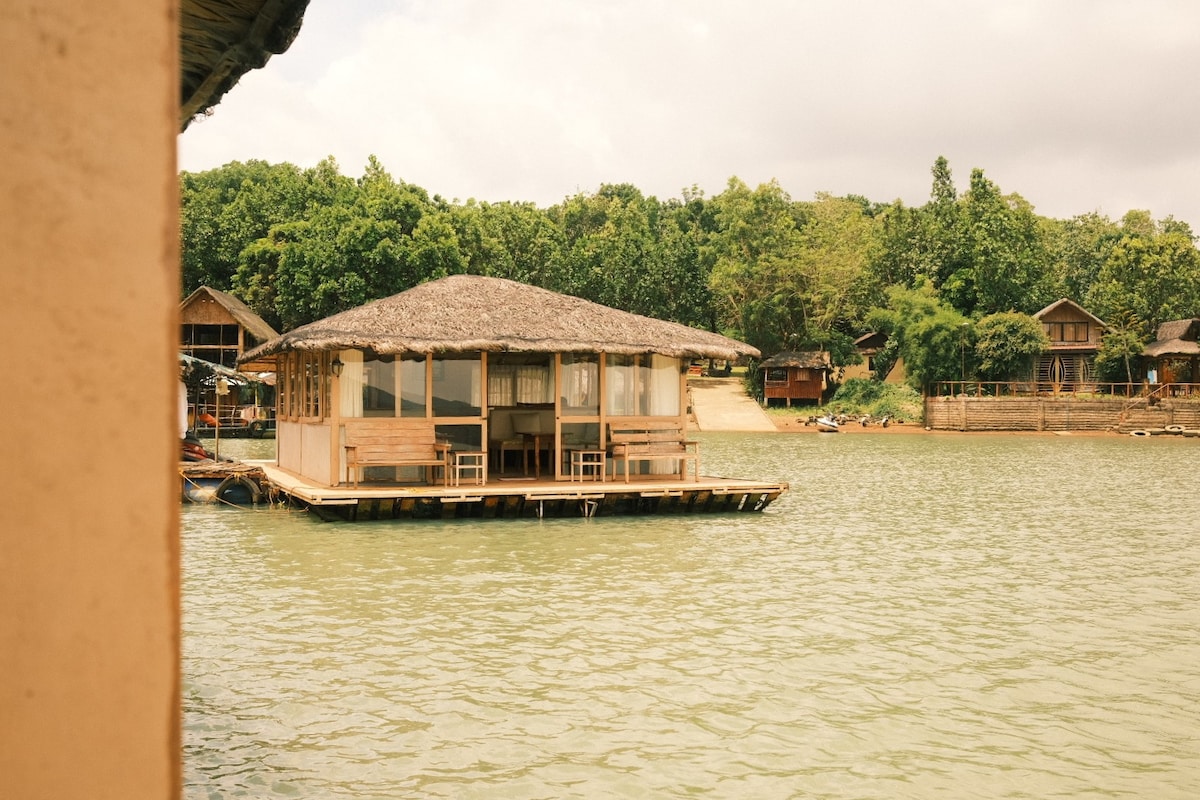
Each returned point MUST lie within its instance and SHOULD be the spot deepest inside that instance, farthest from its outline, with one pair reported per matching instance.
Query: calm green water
(921, 617)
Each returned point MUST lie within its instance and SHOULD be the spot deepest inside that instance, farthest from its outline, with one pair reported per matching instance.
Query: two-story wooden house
(1075, 336)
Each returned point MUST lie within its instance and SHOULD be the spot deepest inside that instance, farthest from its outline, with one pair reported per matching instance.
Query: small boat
(827, 425)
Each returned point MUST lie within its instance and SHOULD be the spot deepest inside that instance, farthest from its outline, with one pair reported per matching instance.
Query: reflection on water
(922, 616)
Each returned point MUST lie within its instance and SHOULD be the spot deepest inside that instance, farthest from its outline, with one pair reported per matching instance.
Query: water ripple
(920, 617)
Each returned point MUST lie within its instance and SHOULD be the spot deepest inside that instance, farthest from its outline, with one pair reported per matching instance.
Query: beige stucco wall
(89, 644)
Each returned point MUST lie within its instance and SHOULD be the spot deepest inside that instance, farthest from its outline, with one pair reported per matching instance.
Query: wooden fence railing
(1135, 392)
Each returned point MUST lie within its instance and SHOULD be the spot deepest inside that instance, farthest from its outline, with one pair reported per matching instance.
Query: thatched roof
(221, 40)
(467, 313)
(255, 325)
(1175, 338)
(811, 359)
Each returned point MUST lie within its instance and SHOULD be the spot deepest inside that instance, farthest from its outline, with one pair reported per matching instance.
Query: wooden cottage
(795, 376)
(869, 346)
(1075, 336)
(474, 380)
(216, 329)
(1174, 355)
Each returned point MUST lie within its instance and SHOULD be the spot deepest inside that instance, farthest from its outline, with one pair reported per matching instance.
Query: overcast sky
(1077, 105)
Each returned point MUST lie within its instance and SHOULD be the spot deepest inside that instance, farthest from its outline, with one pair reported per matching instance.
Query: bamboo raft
(232, 482)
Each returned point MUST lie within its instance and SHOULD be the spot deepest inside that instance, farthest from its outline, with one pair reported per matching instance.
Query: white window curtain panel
(664, 386)
(664, 398)
(580, 381)
(534, 385)
(352, 383)
(500, 384)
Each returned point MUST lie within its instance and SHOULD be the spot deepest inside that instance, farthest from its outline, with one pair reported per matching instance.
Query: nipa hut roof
(255, 325)
(811, 359)
(467, 313)
(221, 40)
(1175, 338)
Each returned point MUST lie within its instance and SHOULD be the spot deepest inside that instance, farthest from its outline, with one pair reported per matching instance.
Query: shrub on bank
(861, 396)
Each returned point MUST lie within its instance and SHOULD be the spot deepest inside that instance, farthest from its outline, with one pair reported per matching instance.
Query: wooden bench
(395, 443)
(651, 439)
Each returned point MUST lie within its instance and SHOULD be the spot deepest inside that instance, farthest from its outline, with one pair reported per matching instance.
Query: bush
(859, 396)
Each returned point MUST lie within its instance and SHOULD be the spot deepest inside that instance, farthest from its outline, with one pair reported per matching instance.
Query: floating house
(795, 376)
(1075, 337)
(487, 397)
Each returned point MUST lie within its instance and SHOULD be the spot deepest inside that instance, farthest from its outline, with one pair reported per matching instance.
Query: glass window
(580, 384)
(456, 386)
(378, 386)
(641, 385)
(520, 379)
(412, 386)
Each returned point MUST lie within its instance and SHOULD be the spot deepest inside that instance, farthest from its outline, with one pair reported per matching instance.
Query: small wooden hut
(510, 371)
(1174, 355)
(216, 329)
(869, 346)
(795, 376)
(1075, 337)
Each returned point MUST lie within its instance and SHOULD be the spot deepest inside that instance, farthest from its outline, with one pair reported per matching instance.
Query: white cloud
(1077, 105)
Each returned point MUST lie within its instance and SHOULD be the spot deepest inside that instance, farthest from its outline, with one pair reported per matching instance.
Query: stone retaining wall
(1055, 414)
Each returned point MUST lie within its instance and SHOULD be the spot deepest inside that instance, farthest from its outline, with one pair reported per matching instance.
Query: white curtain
(534, 384)
(664, 399)
(500, 384)
(664, 386)
(580, 382)
(352, 383)
(620, 386)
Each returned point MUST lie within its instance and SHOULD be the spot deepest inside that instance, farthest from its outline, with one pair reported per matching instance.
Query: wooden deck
(502, 498)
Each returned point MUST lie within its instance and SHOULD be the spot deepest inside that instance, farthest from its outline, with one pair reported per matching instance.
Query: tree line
(961, 273)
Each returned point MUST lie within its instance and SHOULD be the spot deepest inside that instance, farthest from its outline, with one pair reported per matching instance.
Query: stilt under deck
(502, 498)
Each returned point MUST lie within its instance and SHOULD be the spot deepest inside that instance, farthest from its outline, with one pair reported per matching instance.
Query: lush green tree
(681, 277)
(224, 210)
(1006, 345)
(835, 287)
(754, 252)
(940, 248)
(1080, 246)
(935, 341)
(1151, 273)
(1005, 262)
(1120, 349)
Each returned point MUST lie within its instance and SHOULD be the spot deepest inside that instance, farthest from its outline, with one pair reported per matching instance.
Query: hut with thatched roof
(795, 376)
(494, 366)
(1174, 355)
(215, 329)
(218, 327)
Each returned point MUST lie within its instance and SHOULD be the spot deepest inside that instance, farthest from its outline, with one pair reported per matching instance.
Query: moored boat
(827, 425)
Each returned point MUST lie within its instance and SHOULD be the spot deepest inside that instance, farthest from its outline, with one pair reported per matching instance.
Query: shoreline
(787, 423)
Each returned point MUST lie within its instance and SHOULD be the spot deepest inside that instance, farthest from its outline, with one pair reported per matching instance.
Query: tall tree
(1005, 261)
(753, 253)
(1006, 345)
(935, 341)
(1151, 273)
